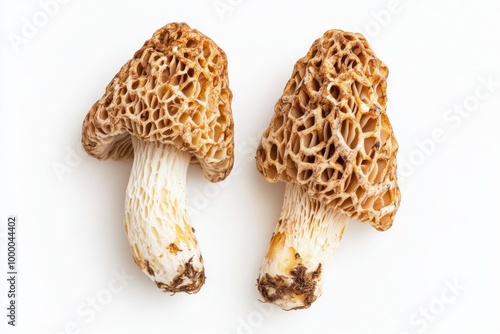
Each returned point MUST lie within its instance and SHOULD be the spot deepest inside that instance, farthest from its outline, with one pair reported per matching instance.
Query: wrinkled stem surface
(156, 220)
(301, 248)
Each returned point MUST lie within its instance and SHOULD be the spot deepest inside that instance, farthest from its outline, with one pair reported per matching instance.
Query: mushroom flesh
(330, 139)
(169, 106)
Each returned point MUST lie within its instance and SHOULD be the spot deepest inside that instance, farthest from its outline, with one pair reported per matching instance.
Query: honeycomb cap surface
(175, 90)
(331, 134)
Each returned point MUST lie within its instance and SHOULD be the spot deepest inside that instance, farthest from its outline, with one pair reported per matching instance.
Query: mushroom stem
(157, 224)
(300, 251)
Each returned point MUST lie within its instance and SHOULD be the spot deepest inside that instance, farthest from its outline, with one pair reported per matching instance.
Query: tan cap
(330, 132)
(175, 91)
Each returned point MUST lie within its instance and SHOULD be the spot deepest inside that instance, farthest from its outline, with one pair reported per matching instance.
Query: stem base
(300, 251)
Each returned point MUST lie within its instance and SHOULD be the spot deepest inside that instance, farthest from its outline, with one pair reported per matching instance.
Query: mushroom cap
(331, 134)
(174, 90)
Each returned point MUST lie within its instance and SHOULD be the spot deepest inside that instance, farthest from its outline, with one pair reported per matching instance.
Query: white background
(71, 241)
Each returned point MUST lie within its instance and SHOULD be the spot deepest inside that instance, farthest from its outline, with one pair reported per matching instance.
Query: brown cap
(175, 91)
(330, 132)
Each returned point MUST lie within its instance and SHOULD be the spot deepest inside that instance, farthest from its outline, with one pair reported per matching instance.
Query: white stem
(156, 219)
(301, 249)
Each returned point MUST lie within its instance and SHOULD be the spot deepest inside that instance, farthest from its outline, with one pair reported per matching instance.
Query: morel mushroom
(330, 139)
(169, 106)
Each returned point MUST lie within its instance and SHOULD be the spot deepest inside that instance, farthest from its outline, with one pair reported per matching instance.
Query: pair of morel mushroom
(330, 140)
